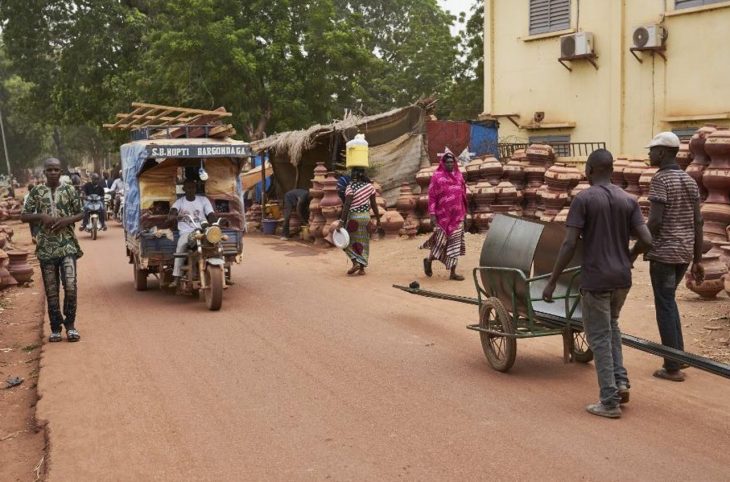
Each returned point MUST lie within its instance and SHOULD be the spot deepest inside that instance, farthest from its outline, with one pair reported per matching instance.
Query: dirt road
(307, 374)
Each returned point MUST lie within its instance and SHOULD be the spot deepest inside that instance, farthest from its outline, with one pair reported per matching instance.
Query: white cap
(666, 139)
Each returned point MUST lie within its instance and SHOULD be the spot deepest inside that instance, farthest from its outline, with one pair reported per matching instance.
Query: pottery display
(582, 186)
(713, 282)
(617, 177)
(406, 202)
(514, 172)
(392, 222)
(330, 204)
(6, 279)
(684, 156)
(540, 155)
(473, 169)
(700, 159)
(508, 195)
(19, 267)
(410, 226)
(491, 170)
(254, 216)
(423, 177)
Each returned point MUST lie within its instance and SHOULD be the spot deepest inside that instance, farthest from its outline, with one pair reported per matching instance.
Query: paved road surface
(308, 375)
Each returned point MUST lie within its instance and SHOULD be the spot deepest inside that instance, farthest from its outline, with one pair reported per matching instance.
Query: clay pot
(423, 177)
(473, 168)
(562, 216)
(700, 159)
(410, 226)
(617, 178)
(632, 173)
(484, 195)
(514, 172)
(582, 186)
(725, 254)
(406, 202)
(726, 283)
(684, 156)
(713, 283)
(491, 170)
(507, 194)
(717, 218)
(8, 231)
(19, 267)
(392, 222)
(716, 176)
(6, 279)
(562, 176)
(540, 155)
(331, 204)
(320, 172)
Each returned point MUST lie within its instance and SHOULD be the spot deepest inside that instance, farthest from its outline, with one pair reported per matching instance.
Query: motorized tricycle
(153, 170)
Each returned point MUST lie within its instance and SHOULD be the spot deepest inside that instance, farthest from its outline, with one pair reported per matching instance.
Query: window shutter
(549, 16)
(678, 4)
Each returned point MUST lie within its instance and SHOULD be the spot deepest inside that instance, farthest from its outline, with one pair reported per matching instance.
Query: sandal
(427, 267)
(354, 268)
(55, 337)
(72, 334)
(671, 376)
(362, 271)
(456, 277)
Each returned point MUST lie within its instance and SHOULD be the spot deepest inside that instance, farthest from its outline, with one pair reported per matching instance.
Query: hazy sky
(455, 7)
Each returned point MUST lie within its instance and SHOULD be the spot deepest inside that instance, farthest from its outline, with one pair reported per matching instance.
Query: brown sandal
(671, 376)
(354, 269)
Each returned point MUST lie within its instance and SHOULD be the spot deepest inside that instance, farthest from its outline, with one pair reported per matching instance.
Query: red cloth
(447, 196)
(446, 133)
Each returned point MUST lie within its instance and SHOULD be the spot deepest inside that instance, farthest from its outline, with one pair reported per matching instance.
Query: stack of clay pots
(700, 159)
(254, 216)
(631, 174)
(423, 179)
(644, 185)
(316, 193)
(331, 204)
(715, 209)
(406, 207)
(514, 170)
(617, 178)
(563, 214)
(539, 158)
(483, 174)
(392, 223)
(380, 201)
(560, 179)
(484, 195)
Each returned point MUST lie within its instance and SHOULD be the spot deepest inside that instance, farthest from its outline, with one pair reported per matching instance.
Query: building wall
(624, 102)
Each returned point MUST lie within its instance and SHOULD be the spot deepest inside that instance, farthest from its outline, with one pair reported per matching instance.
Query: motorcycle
(206, 264)
(108, 203)
(119, 205)
(94, 206)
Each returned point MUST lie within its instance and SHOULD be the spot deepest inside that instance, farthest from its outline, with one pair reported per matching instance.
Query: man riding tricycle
(188, 240)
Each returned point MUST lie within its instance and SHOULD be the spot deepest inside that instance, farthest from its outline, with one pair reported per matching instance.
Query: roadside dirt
(22, 439)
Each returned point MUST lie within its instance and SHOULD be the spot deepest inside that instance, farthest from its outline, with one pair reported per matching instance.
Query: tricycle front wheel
(500, 351)
(581, 352)
(214, 281)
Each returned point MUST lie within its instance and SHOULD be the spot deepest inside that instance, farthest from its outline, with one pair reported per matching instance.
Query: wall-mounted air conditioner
(649, 37)
(576, 45)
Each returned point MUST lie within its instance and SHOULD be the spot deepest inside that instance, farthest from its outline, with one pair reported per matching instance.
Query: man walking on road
(675, 223)
(605, 216)
(55, 207)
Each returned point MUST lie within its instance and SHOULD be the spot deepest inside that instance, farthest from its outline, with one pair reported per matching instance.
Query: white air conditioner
(649, 36)
(576, 44)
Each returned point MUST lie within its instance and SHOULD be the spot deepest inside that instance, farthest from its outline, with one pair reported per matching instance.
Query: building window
(693, 3)
(684, 133)
(549, 16)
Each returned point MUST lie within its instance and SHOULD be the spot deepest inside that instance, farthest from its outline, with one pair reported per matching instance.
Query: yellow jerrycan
(357, 152)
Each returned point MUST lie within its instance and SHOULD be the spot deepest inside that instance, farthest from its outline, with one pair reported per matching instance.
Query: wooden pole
(5, 146)
(263, 178)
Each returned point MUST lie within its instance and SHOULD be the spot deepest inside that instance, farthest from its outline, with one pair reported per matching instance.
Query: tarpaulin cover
(441, 134)
(484, 140)
(397, 161)
(157, 183)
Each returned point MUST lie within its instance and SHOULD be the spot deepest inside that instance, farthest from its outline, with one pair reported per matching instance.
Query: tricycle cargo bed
(163, 248)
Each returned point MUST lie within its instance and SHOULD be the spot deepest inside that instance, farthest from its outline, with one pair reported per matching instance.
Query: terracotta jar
(632, 173)
(473, 168)
(540, 155)
(684, 156)
(484, 195)
(422, 204)
(410, 226)
(725, 254)
(644, 185)
(406, 202)
(717, 218)
(514, 172)
(6, 279)
(8, 231)
(617, 178)
(562, 176)
(520, 155)
(700, 159)
(19, 267)
(716, 176)
(491, 170)
(392, 222)
(713, 283)
(582, 186)
(423, 177)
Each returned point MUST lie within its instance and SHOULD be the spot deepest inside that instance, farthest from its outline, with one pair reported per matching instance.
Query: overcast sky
(455, 7)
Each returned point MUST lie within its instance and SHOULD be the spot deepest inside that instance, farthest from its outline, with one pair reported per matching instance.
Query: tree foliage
(277, 65)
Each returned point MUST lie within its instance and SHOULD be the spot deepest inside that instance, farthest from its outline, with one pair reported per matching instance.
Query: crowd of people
(603, 217)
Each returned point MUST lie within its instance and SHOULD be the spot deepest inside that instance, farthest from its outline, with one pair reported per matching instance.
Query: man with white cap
(675, 223)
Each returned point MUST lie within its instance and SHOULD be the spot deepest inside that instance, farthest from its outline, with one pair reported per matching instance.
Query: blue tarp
(484, 138)
(257, 162)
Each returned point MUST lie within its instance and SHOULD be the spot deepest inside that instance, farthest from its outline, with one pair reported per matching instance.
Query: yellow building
(614, 92)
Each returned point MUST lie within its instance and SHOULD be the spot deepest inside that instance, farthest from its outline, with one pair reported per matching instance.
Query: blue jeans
(664, 281)
(600, 323)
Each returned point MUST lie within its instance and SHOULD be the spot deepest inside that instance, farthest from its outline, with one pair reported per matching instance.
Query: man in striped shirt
(675, 223)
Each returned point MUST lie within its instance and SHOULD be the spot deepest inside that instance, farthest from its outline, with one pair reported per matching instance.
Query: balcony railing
(562, 149)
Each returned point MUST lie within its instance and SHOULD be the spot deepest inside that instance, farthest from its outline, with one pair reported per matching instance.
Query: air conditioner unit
(576, 44)
(650, 36)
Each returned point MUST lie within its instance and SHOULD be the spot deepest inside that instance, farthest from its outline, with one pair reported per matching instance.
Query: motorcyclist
(200, 209)
(93, 187)
(117, 192)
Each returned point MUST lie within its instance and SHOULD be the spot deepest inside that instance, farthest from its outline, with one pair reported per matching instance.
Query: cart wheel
(214, 291)
(140, 277)
(581, 352)
(499, 350)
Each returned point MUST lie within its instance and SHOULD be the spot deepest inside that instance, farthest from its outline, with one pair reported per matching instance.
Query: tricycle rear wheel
(500, 351)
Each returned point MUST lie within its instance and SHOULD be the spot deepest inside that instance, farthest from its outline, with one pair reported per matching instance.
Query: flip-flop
(427, 267)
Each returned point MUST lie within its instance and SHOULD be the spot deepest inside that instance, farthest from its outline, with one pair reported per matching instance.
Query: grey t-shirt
(605, 215)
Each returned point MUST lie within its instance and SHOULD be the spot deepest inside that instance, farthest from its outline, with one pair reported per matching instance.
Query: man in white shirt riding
(196, 207)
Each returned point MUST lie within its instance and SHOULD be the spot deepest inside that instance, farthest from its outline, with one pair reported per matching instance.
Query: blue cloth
(484, 139)
(342, 183)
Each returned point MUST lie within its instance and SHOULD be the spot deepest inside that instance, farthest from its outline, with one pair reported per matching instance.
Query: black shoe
(55, 337)
(72, 334)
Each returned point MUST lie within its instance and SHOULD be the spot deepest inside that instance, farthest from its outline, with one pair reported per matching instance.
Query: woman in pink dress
(447, 208)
